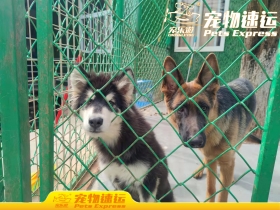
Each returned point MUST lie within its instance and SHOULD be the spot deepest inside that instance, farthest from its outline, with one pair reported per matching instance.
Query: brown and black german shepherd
(214, 101)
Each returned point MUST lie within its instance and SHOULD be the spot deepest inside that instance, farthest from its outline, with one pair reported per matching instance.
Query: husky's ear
(205, 74)
(169, 86)
(77, 80)
(77, 83)
(124, 84)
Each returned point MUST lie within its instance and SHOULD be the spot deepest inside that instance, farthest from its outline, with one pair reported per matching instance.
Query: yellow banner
(122, 200)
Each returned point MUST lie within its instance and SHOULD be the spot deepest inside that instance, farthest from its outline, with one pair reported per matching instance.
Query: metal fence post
(137, 42)
(14, 102)
(46, 101)
(170, 40)
(118, 38)
(270, 139)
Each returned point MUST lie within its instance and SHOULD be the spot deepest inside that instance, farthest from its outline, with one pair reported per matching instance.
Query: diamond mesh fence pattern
(71, 144)
(107, 36)
(86, 31)
(31, 44)
(90, 32)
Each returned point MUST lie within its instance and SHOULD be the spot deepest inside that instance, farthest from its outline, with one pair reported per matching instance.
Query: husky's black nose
(95, 122)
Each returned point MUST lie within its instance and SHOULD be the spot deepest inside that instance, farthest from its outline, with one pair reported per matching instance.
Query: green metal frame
(270, 140)
(14, 102)
(46, 96)
(118, 34)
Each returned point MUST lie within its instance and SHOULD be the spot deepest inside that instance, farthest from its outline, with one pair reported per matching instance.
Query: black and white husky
(100, 121)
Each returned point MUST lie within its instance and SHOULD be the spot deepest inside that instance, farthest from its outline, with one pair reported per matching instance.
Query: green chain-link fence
(104, 36)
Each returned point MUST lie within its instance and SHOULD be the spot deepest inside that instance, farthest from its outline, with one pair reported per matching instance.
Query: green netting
(74, 152)
(139, 39)
(31, 44)
(68, 170)
(91, 30)
(107, 36)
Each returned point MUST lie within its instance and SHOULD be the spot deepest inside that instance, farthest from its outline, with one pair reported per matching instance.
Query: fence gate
(41, 138)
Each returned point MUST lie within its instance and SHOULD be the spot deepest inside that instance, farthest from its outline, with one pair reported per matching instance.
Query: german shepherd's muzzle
(190, 123)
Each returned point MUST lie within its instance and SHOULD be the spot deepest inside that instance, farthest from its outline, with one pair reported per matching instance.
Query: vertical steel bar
(169, 39)
(14, 102)
(46, 101)
(270, 140)
(137, 44)
(139, 19)
(118, 33)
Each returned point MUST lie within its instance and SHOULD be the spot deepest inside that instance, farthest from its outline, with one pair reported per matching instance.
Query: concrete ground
(183, 162)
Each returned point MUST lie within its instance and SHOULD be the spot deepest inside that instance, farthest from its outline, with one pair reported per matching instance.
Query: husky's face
(97, 115)
(99, 119)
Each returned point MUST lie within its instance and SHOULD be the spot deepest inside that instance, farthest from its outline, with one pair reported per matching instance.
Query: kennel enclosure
(42, 144)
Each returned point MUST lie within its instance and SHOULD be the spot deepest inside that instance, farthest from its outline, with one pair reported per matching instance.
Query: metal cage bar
(270, 140)
(46, 105)
(14, 102)
(117, 40)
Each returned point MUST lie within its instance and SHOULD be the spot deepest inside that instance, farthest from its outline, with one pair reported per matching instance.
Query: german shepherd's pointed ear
(125, 85)
(77, 80)
(169, 86)
(205, 74)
